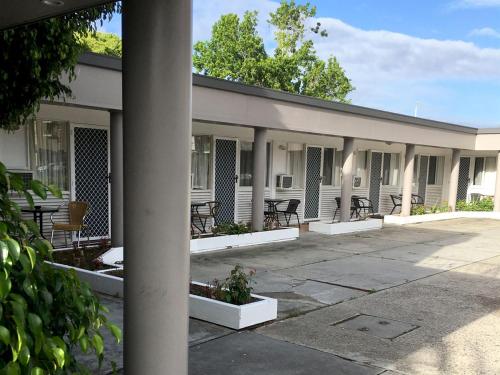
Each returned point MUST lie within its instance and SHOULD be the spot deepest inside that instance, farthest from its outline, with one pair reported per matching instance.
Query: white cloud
(475, 4)
(485, 31)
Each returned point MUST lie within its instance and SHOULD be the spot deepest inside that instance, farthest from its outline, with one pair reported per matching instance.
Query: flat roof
(115, 63)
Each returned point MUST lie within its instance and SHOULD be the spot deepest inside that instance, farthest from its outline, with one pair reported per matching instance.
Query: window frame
(301, 184)
(438, 178)
(211, 161)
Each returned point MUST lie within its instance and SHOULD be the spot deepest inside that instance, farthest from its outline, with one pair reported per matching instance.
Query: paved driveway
(421, 299)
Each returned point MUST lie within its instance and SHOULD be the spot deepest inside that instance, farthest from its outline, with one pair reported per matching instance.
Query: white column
(116, 121)
(259, 177)
(453, 189)
(157, 85)
(347, 168)
(408, 180)
(497, 187)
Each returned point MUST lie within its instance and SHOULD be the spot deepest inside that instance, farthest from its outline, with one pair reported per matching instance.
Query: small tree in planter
(45, 314)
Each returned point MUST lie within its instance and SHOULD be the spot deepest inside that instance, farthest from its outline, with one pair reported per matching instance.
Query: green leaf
(14, 249)
(59, 356)
(25, 263)
(13, 369)
(29, 288)
(3, 228)
(4, 251)
(24, 355)
(98, 344)
(31, 255)
(84, 343)
(4, 335)
(5, 285)
(33, 227)
(29, 198)
(35, 324)
(39, 189)
(56, 192)
(115, 331)
(37, 371)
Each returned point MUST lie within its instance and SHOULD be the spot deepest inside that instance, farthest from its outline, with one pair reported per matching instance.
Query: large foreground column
(347, 168)
(116, 121)
(408, 180)
(497, 187)
(157, 146)
(453, 189)
(259, 178)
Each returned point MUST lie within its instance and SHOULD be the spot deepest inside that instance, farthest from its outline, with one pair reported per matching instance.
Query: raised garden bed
(344, 228)
(413, 219)
(261, 309)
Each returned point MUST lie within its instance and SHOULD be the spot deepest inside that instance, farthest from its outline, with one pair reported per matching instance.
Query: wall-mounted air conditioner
(356, 181)
(284, 181)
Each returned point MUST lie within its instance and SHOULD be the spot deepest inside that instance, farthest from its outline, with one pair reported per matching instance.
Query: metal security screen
(463, 179)
(91, 177)
(313, 181)
(225, 179)
(422, 176)
(375, 171)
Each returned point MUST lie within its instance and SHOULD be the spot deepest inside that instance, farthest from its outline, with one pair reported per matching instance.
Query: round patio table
(272, 211)
(38, 212)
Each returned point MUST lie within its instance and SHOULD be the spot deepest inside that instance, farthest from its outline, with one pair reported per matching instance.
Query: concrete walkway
(422, 299)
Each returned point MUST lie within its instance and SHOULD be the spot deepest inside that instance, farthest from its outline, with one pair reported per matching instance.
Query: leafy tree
(34, 57)
(103, 43)
(45, 313)
(236, 52)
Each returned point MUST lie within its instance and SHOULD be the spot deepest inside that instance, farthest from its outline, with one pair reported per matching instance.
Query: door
(375, 179)
(422, 176)
(225, 179)
(90, 182)
(463, 179)
(313, 183)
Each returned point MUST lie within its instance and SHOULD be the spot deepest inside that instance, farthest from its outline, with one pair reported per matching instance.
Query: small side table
(38, 212)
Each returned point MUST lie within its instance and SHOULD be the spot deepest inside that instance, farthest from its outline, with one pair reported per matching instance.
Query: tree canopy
(103, 43)
(34, 57)
(237, 52)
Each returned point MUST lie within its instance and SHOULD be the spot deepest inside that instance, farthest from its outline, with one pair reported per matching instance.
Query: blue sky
(440, 56)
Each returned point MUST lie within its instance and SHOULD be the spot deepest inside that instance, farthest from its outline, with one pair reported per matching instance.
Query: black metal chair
(337, 209)
(417, 200)
(363, 207)
(203, 218)
(291, 210)
(397, 201)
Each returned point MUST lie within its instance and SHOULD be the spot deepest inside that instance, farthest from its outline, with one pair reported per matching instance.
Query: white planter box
(343, 228)
(98, 281)
(112, 256)
(201, 245)
(402, 220)
(233, 316)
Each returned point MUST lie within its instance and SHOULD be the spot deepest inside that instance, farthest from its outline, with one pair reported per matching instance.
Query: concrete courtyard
(420, 299)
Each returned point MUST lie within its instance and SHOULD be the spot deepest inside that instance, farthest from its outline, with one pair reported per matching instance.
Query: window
(436, 170)
(200, 162)
(49, 152)
(390, 174)
(328, 156)
(296, 163)
(361, 167)
(484, 170)
(246, 163)
(337, 168)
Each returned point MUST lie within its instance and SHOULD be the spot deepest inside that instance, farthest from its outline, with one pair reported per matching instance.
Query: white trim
(345, 227)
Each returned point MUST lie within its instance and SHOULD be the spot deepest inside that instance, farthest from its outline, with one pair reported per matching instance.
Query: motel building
(76, 144)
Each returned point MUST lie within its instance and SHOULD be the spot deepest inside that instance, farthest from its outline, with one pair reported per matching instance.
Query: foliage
(236, 52)
(438, 208)
(231, 228)
(485, 204)
(235, 289)
(103, 43)
(418, 210)
(34, 57)
(45, 313)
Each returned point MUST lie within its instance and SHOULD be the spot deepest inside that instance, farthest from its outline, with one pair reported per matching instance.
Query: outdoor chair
(417, 200)
(397, 201)
(77, 213)
(290, 211)
(363, 207)
(203, 218)
(337, 209)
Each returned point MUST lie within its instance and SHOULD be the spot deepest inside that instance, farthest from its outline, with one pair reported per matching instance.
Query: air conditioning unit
(284, 181)
(356, 181)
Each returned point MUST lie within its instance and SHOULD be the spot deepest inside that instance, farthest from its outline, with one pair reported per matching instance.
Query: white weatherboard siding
(244, 204)
(385, 204)
(433, 195)
(328, 204)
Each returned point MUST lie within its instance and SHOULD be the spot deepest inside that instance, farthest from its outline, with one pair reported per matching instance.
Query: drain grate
(376, 326)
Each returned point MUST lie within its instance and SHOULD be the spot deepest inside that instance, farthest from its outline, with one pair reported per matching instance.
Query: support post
(347, 168)
(116, 122)
(453, 189)
(259, 177)
(157, 85)
(408, 180)
(497, 186)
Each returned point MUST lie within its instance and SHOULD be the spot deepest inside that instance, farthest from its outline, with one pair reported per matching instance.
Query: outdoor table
(272, 211)
(38, 212)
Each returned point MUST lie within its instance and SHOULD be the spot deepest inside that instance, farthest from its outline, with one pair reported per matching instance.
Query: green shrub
(418, 210)
(231, 228)
(485, 204)
(437, 208)
(45, 314)
(236, 289)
